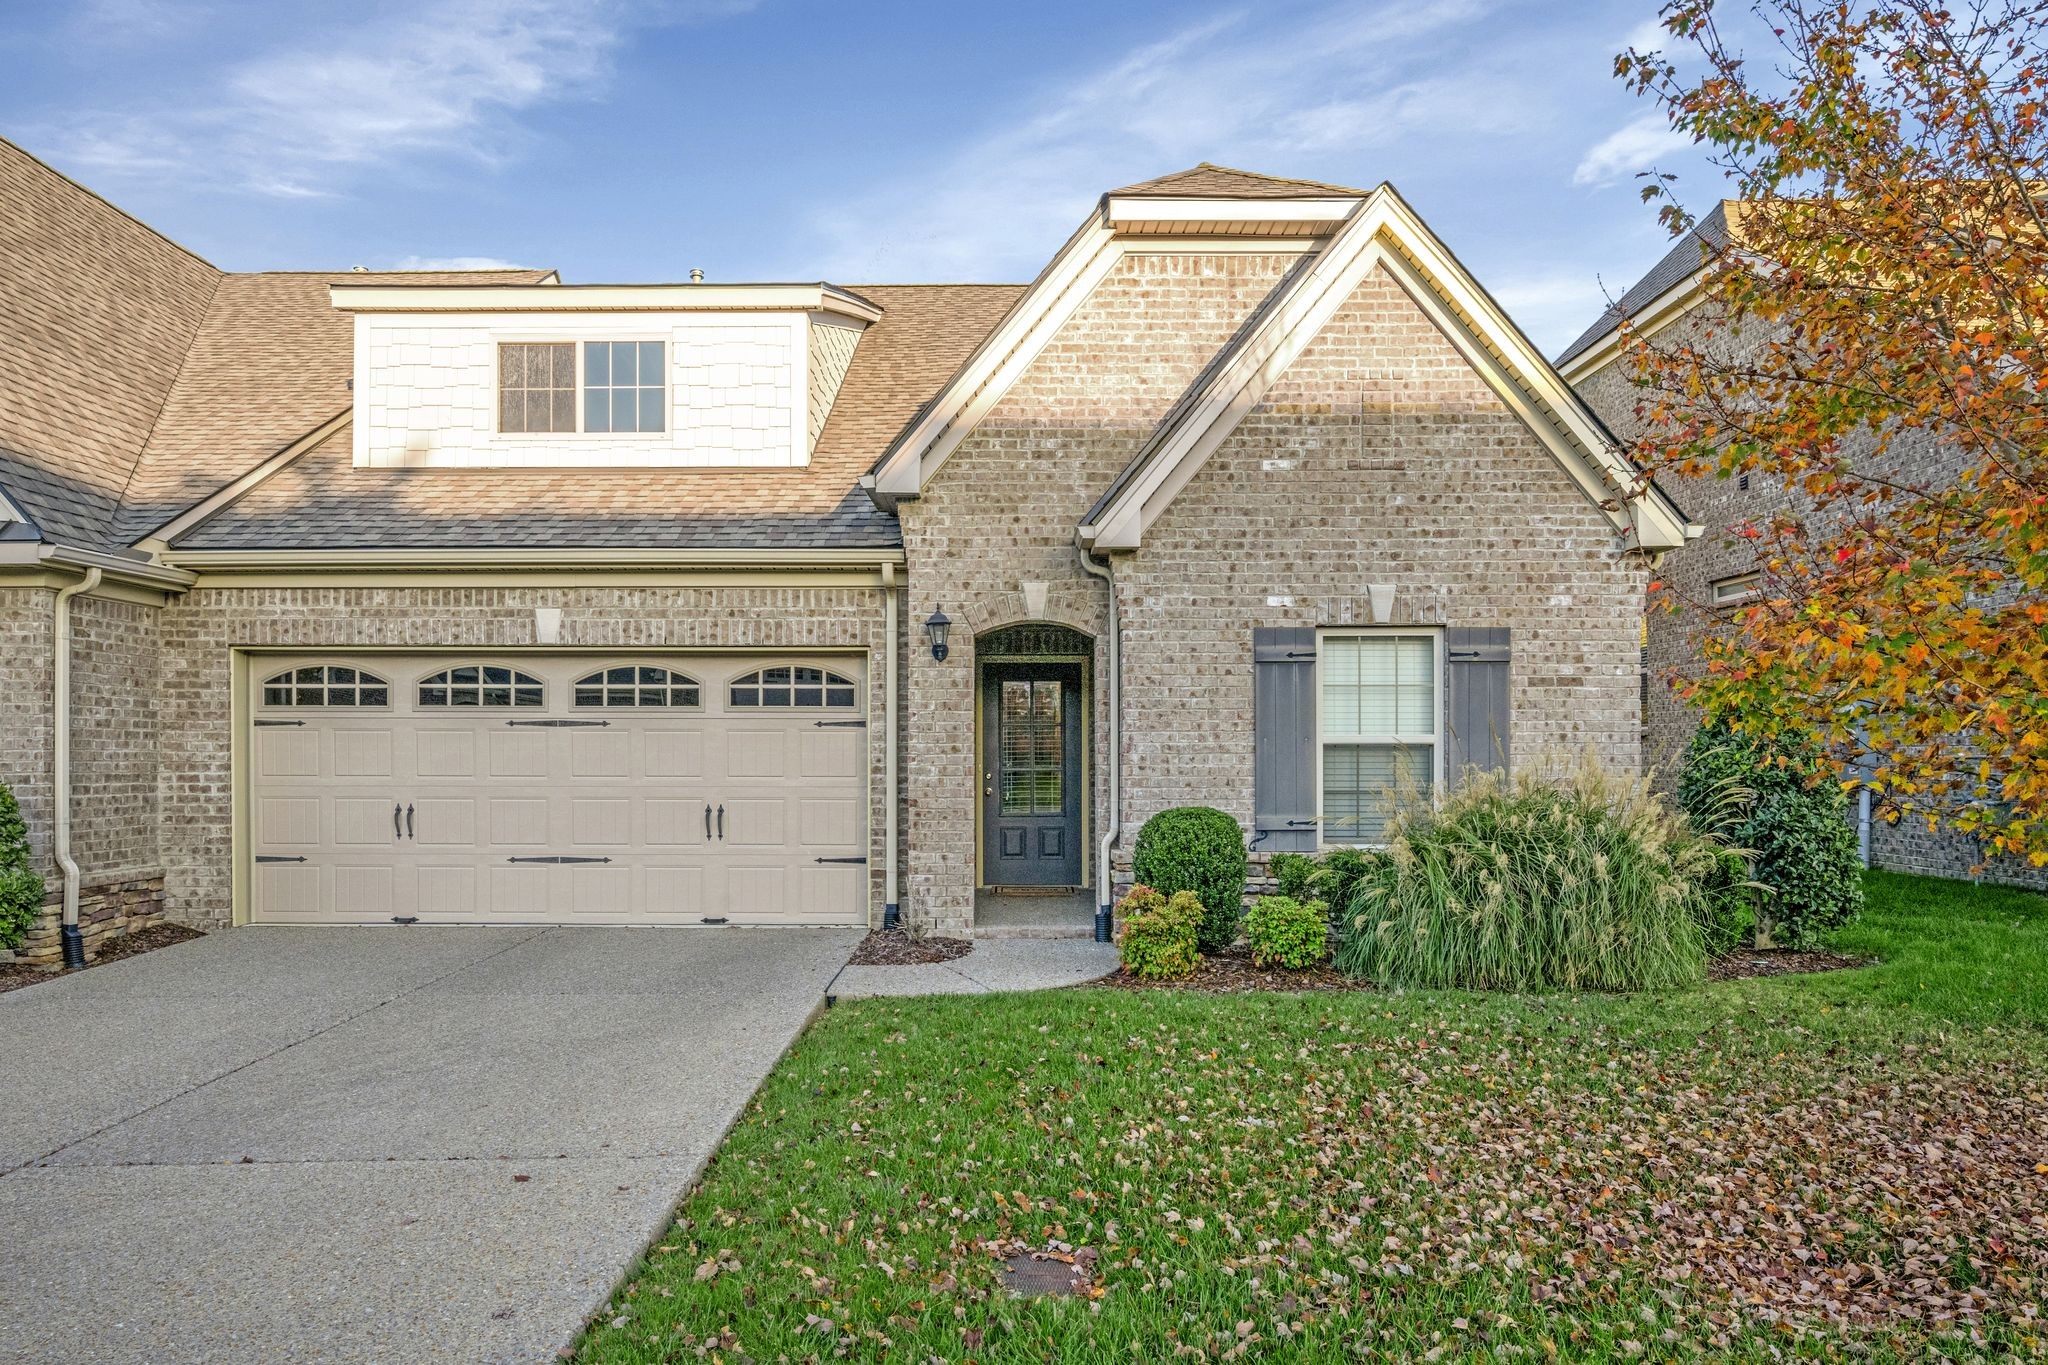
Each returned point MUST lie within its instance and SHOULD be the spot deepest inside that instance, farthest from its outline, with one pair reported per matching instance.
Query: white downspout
(60, 778)
(1103, 881)
(892, 912)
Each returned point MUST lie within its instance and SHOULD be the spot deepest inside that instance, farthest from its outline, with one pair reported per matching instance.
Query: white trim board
(1086, 260)
(1384, 232)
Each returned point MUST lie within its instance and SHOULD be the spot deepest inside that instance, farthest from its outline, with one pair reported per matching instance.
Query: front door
(1031, 721)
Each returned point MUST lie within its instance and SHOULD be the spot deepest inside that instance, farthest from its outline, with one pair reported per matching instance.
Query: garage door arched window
(791, 685)
(480, 685)
(642, 685)
(326, 685)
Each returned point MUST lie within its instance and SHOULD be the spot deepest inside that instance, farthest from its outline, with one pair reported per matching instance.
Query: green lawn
(1822, 1167)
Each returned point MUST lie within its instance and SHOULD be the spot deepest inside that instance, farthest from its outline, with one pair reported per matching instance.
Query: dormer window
(536, 386)
(624, 386)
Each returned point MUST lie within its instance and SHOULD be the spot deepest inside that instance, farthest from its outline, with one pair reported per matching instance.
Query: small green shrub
(1156, 938)
(1296, 875)
(21, 885)
(1194, 848)
(1585, 883)
(1778, 798)
(1288, 933)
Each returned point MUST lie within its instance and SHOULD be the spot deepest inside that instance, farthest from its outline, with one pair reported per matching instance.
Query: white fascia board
(600, 298)
(987, 376)
(1656, 522)
(1646, 321)
(8, 511)
(1280, 338)
(1143, 210)
(1515, 371)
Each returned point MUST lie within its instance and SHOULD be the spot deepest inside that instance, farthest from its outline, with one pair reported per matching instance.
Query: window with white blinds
(1379, 703)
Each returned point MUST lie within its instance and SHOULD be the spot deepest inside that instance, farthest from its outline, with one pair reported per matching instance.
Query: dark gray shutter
(1475, 699)
(1284, 738)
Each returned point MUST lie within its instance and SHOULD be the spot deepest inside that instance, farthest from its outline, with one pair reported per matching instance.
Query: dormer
(596, 376)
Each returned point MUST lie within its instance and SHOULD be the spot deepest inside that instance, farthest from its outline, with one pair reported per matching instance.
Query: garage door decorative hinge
(839, 860)
(279, 858)
(560, 724)
(557, 858)
(840, 724)
(263, 722)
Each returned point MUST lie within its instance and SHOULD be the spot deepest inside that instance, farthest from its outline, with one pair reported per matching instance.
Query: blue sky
(856, 141)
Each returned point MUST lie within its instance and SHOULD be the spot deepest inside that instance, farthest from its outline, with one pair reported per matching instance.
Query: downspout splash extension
(1104, 925)
(73, 942)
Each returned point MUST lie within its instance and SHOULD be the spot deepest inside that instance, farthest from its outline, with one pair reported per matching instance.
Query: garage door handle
(707, 822)
(721, 824)
(396, 831)
(408, 821)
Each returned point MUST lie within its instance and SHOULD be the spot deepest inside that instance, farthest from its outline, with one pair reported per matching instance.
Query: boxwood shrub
(21, 885)
(1195, 848)
(1778, 797)
(1156, 934)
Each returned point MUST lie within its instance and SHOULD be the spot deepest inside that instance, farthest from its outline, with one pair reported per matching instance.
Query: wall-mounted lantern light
(936, 626)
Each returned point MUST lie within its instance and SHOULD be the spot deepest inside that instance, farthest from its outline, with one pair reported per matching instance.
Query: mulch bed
(1748, 962)
(894, 948)
(15, 975)
(1231, 972)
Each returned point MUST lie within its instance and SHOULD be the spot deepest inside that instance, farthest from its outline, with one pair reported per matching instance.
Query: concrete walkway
(418, 1144)
(1008, 964)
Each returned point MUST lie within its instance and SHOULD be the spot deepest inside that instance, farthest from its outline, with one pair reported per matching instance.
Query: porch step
(1064, 930)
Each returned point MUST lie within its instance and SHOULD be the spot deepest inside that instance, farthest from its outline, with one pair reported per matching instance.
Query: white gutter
(1103, 881)
(892, 913)
(60, 778)
(312, 560)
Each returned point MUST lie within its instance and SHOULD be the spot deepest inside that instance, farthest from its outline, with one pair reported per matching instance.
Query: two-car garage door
(665, 789)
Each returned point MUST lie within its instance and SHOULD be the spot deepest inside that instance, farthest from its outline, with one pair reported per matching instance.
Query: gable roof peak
(1207, 180)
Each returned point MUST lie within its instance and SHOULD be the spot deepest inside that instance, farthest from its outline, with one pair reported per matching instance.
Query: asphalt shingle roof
(926, 331)
(1210, 181)
(1686, 256)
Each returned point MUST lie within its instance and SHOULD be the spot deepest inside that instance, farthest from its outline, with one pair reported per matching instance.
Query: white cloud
(456, 263)
(1648, 36)
(1635, 146)
(1551, 304)
(441, 77)
(1287, 97)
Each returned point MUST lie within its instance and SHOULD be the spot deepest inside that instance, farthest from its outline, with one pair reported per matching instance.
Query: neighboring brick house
(1721, 570)
(484, 597)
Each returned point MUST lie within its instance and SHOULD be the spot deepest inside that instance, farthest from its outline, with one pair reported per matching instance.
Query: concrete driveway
(370, 1144)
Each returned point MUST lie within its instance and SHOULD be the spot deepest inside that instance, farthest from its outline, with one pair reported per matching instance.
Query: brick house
(1721, 570)
(358, 597)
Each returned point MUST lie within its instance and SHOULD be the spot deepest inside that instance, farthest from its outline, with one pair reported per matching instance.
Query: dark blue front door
(1031, 726)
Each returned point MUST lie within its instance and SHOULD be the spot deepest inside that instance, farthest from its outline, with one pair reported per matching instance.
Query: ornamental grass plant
(1584, 881)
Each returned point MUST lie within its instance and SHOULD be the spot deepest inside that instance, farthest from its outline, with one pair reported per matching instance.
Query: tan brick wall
(113, 757)
(201, 631)
(25, 690)
(114, 728)
(1398, 465)
(1003, 511)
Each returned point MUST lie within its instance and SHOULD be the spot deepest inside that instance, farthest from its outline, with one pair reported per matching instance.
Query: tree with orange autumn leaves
(1870, 339)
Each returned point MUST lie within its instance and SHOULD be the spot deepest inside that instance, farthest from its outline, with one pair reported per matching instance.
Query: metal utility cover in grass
(1028, 1275)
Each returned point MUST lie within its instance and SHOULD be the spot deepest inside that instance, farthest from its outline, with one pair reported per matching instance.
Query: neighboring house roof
(1210, 181)
(1382, 233)
(1687, 255)
(97, 313)
(320, 501)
